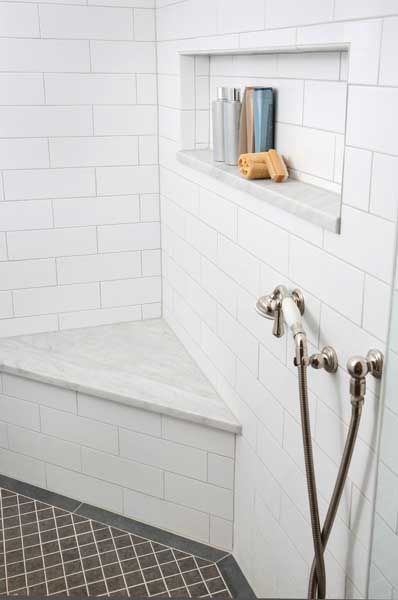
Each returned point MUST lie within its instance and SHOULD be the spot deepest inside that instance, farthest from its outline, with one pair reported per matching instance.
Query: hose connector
(359, 367)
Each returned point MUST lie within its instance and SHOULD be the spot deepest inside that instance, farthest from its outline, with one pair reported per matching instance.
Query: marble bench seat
(120, 417)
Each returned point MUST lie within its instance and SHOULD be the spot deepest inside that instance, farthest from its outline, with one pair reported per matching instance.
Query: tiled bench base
(55, 545)
(159, 470)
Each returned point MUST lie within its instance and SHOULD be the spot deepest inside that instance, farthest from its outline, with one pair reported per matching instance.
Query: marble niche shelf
(316, 205)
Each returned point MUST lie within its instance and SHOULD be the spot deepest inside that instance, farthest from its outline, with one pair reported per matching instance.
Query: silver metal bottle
(232, 111)
(218, 124)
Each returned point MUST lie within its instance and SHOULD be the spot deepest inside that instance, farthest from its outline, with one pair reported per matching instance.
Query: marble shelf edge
(308, 202)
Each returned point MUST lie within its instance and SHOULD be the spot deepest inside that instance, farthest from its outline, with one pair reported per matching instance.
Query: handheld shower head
(292, 315)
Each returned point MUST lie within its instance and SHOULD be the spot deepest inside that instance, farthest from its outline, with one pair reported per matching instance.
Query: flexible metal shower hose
(319, 563)
(356, 411)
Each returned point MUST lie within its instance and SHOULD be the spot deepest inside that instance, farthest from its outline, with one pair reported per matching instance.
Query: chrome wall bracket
(326, 359)
(359, 367)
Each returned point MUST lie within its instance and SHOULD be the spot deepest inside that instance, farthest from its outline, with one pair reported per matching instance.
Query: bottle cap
(234, 94)
(222, 93)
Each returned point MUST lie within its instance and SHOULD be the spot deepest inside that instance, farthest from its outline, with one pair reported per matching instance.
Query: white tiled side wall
(163, 471)
(79, 210)
(222, 248)
(383, 577)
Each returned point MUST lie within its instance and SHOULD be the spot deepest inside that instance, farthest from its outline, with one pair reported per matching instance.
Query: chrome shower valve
(270, 307)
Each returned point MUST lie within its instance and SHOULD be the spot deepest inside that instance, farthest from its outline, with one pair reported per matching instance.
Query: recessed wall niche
(311, 103)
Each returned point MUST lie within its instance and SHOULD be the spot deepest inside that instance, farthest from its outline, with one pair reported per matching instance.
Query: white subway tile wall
(167, 472)
(78, 155)
(209, 290)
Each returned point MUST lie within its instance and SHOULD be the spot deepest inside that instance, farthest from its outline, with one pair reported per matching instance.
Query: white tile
(51, 242)
(140, 236)
(239, 264)
(295, 144)
(379, 586)
(389, 49)
(167, 515)
(92, 318)
(44, 121)
(325, 105)
(69, 212)
(278, 38)
(163, 454)
(19, 412)
(219, 285)
(3, 247)
(126, 473)
(152, 311)
(146, 89)
(19, 20)
(23, 468)
(180, 190)
(44, 448)
(95, 151)
(385, 548)
(351, 9)
(130, 291)
(84, 488)
(191, 434)
(123, 57)
(132, 3)
(234, 16)
(41, 301)
(201, 496)
(90, 88)
(381, 133)
(376, 307)
(27, 274)
(221, 533)
(384, 190)
(35, 391)
(221, 356)
(48, 183)
(361, 517)
(25, 215)
(6, 308)
(148, 150)
(27, 325)
(29, 55)
(363, 227)
(314, 65)
(85, 22)
(127, 180)
(24, 154)
(388, 441)
(151, 263)
(4, 435)
(220, 471)
(309, 11)
(238, 339)
(387, 496)
(122, 120)
(79, 430)
(119, 414)
(144, 25)
(218, 213)
(201, 236)
(260, 401)
(150, 210)
(263, 239)
(306, 262)
(98, 267)
(357, 174)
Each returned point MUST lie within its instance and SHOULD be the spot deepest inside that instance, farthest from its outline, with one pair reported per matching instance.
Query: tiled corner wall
(383, 574)
(222, 248)
(79, 214)
(166, 472)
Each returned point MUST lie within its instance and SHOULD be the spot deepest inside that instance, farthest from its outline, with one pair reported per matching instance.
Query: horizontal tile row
(107, 452)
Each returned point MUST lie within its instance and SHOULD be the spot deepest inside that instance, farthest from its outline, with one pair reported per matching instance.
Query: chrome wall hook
(326, 359)
(359, 367)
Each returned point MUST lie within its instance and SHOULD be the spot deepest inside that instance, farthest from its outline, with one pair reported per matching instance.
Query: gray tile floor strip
(152, 533)
(213, 573)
